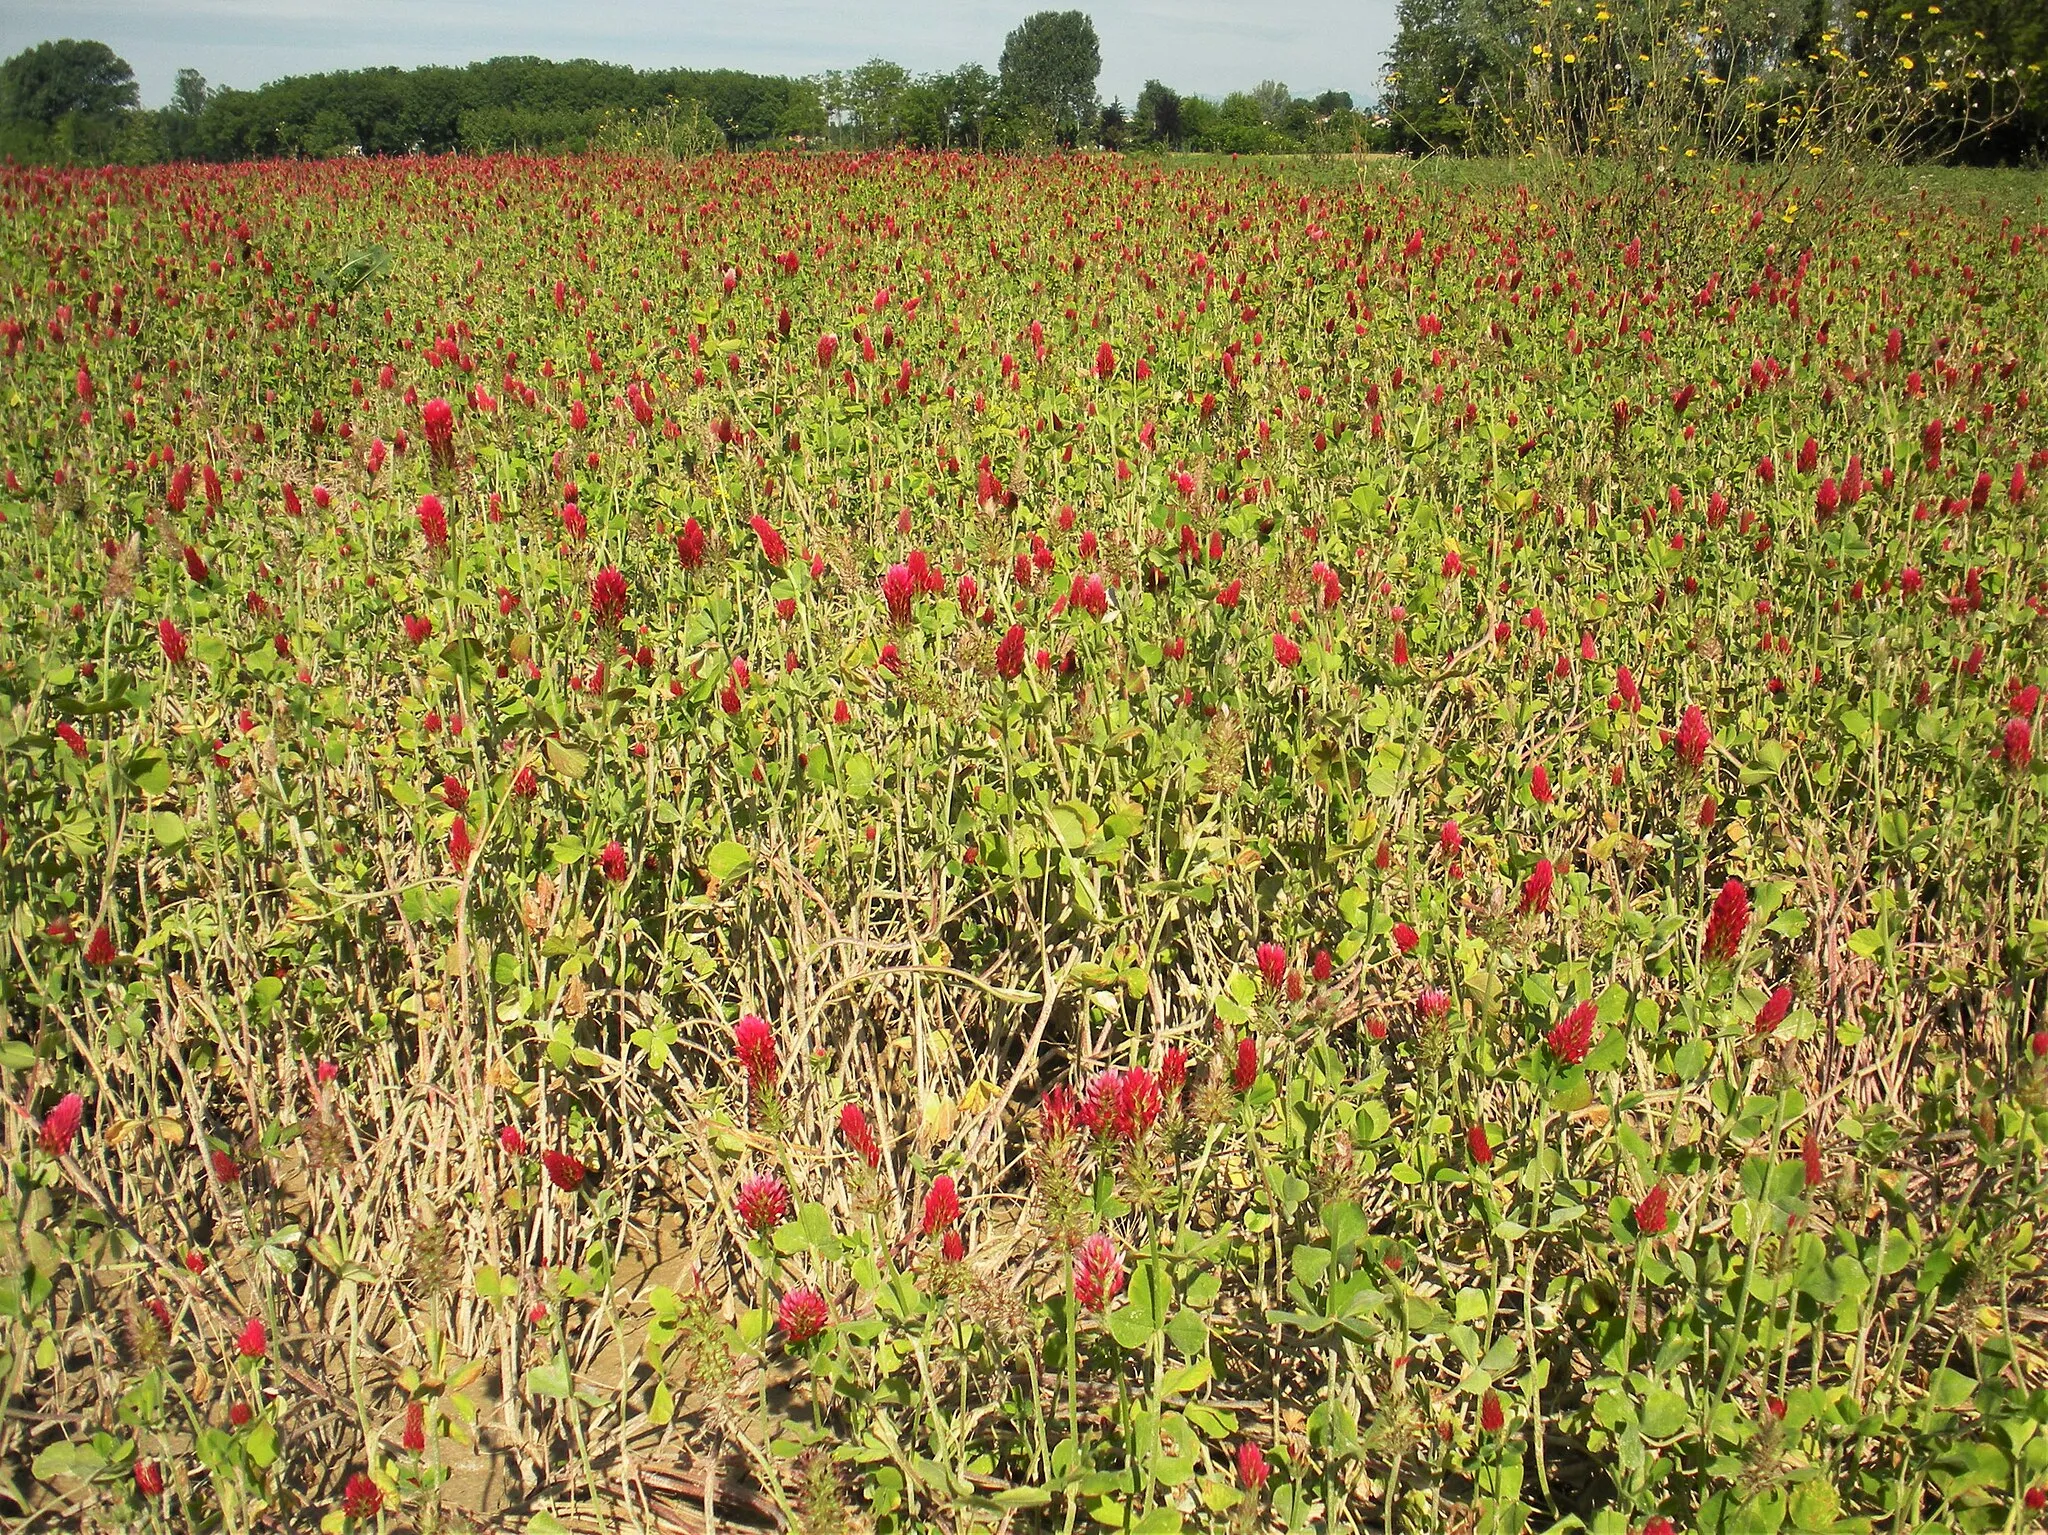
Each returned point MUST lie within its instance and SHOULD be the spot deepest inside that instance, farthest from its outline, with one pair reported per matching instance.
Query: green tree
(63, 79)
(1437, 62)
(971, 97)
(188, 96)
(330, 133)
(1156, 118)
(1111, 129)
(1050, 65)
(921, 115)
(1274, 98)
(872, 96)
(1198, 122)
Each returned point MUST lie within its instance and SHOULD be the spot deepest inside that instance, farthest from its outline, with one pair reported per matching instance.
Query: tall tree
(1157, 114)
(1050, 65)
(1274, 98)
(873, 92)
(59, 79)
(1111, 128)
(188, 96)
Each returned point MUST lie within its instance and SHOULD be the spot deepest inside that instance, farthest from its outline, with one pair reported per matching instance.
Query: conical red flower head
(1246, 1071)
(254, 1341)
(608, 596)
(763, 1203)
(175, 645)
(941, 1205)
(433, 523)
(690, 545)
(1273, 964)
(361, 1498)
(802, 1315)
(1098, 1272)
(1478, 1145)
(565, 1172)
(1773, 1012)
(828, 348)
(1572, 1039)
(1727, 922)
(612, 861)
(1173, 1072)
(1492, 1416)
(1693, 738)
(754, 1048)
(899, 591)
(437, 425)
(853, 1128)
(1010, 654)
(60, 1126)
(2018, 743)
(1252, 1469)
(1536, 888)
(773, 549)
(1089, 595)
(1652, 1212)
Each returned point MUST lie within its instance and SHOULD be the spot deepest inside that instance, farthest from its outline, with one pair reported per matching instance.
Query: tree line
(73, 101)
(77, 101)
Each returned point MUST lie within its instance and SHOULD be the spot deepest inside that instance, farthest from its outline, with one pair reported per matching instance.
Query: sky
(1202, 47)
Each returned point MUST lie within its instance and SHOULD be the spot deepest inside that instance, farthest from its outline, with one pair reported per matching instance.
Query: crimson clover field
(923, 843)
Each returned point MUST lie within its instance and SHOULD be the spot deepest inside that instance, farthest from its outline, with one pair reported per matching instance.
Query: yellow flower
(1571, 58)
(1905, 63)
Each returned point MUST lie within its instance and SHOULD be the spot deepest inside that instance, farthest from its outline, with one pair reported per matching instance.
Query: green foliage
(54, 81)
(1651, 80)
(523, 103)
(1049, 67)
(1156, 117)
